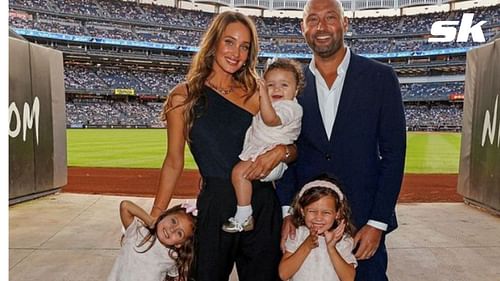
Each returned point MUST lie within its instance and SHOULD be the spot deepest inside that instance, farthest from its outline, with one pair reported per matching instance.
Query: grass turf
(120, 148)
(145, 148)
(430, 153)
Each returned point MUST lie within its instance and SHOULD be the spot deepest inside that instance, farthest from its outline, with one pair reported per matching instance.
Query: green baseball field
(427, 153)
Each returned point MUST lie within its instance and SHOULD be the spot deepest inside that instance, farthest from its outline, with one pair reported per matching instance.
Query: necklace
(221, 90)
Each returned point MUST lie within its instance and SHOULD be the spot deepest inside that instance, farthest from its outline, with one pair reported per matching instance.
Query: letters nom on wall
(37, 131)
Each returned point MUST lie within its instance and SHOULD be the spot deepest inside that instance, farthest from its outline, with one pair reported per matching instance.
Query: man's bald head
(337, 4)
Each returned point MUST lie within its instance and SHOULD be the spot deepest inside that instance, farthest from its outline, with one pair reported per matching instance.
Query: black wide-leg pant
(256, 253)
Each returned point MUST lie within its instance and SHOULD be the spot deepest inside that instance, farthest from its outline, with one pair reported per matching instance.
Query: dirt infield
(143, 182)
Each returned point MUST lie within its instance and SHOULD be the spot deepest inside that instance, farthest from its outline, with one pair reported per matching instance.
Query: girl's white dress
(318, 266)
(152, 265)
(261, 138)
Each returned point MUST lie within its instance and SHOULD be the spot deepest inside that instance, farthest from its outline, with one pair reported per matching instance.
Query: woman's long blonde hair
(202, 64)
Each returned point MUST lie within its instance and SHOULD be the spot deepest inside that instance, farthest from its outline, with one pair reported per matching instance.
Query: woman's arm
(173, 164)
(129, 210)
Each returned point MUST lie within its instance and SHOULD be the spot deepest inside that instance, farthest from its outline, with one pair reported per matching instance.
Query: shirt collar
(341, 69)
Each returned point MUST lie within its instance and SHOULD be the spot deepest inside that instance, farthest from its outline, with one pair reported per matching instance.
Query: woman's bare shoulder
(178, 94)
(180, 89)
(253, 103)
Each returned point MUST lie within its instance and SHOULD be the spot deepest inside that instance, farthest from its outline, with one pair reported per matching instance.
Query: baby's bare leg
(242, 219)
(242, 186)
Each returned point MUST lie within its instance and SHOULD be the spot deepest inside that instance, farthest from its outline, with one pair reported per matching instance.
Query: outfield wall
(479, 170)
(37, 117)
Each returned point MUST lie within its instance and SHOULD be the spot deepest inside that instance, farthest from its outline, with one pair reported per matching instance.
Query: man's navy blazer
(366, 150)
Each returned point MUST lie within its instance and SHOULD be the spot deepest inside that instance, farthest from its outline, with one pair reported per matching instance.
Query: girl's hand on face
(311, 241)
(333, 236)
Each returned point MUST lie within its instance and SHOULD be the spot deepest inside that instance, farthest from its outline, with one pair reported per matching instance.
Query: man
(353, 128)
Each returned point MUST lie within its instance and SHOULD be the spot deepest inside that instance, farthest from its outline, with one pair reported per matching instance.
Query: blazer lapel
(347, 97)
(312, 122)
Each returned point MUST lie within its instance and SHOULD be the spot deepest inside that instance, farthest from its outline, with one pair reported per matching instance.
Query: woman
(212, 111)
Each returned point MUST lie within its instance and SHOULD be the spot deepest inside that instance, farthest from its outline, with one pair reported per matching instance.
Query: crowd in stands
(77, 77)
(104, 78)
(83, 113)
(151, 82)
(58, 25)
(370, 45)
(435, 117)
(160, 83)
(112, 31)
(77, 7)
(86, 112)
(175, 36)
(377, 25)
(430, 91)
(38, 4)
(130, 20)
(157, 23)
(170, 16)
(274, 26)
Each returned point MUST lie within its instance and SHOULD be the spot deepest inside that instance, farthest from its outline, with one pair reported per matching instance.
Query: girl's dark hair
(288, 65)
(183, 255)
(315, 193)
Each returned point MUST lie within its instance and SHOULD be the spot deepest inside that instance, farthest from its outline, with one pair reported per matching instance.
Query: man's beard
(325, 51)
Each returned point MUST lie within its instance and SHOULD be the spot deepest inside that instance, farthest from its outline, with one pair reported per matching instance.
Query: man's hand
(287, 230)
(265, 163)
(367, 241)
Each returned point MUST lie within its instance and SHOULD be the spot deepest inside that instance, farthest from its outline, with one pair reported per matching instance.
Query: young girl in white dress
(278, 122)
(323, 244)
(155, 249)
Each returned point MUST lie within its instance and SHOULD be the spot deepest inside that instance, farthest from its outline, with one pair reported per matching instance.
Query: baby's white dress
(261, 138)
